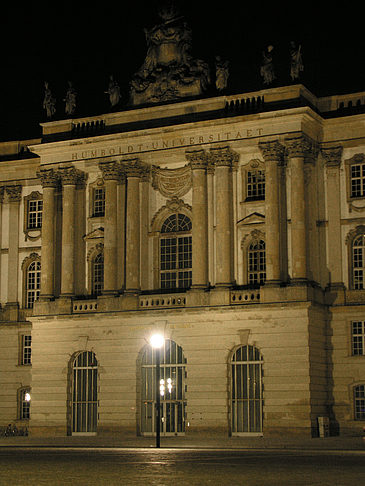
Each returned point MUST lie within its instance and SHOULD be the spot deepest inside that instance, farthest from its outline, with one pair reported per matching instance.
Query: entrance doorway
(172, 389)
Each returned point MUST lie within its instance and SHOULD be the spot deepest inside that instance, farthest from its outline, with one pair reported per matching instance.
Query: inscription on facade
(163, 144)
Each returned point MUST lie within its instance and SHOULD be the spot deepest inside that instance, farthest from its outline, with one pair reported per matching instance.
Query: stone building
(234, 226)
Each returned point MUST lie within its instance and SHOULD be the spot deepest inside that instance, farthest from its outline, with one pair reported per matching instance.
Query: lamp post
(157, 341)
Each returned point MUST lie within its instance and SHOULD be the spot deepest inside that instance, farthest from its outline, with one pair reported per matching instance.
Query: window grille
(84, 393)
(256, 263)
(176, 252)
(26, 350)
(35, 210)
(256, 184)
(357, 180)
(358, 338)
(358, 248)
(98, 274)
(246, 391)
(33, 283)
(172, 389)
(359, 402)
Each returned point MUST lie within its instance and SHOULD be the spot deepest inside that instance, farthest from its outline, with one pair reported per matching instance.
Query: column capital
(14, 193)
(111, 170)
(272, 151)
(198, 159)
(70, 176)
(134, 168)
(300, 146)
(48, 177)
(223, 156)
(2, 191)
(332, 155)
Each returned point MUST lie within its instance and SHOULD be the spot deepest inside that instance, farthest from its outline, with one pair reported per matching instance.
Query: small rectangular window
(357, 182)
(359, 402)
(35, 209)
(358, 338)
(255, 184)
(99, 202)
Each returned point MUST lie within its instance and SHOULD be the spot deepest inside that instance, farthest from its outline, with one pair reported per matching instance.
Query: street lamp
(157, 341)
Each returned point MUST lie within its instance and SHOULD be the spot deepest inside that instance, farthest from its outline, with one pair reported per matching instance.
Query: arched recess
(246, 391)
(172, 389)
(83, 394)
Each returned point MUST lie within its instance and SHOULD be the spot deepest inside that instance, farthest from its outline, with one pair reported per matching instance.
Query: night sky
(85, 44)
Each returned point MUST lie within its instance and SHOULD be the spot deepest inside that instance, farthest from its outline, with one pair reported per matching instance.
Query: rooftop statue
(169, 72)
(296, 63)
(267, 66)
(221, 73)
(70, 100)
(113, 92)
(49, 102)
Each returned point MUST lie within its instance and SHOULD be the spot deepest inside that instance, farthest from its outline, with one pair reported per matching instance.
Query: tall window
(26, 349)
(35, 209)
(33, 283)
(357, 180)
(256, 263)
(359, 402)
(246, 391)
(172, 389)
(84, 393)
(255, 184)
(358, 338)
(24, 404)
(98, 274)
(175, 252)
(358, 262)
(98, 201)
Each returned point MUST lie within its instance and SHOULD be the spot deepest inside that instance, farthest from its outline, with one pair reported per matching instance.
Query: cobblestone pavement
(34, 466)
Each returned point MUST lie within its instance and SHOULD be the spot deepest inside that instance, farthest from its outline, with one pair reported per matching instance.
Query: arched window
(172, 389)
(98, 274)
(359, 402)
(175, 252)
(246, 391)
(256, 263)
(33, 283)
(358, 262)
(84, 393)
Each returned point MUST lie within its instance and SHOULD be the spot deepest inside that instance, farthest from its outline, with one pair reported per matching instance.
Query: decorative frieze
(172, 182)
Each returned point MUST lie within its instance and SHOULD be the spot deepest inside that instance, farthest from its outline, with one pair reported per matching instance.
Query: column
(49, 180)
(332, 157)
(223, 159)
(134, 171)
(112, 175)
(14, 194)
(273, 153)
(298, 149)
(70, 177)
(198, 164)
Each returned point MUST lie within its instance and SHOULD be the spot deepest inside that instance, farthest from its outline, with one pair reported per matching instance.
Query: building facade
(234, 226)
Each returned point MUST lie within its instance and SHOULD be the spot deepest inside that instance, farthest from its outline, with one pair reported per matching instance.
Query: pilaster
(273, 154)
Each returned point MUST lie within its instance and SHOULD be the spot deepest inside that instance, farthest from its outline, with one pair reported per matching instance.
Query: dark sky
(87, 43)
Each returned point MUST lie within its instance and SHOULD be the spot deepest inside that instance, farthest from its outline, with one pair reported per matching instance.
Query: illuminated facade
(233, 225)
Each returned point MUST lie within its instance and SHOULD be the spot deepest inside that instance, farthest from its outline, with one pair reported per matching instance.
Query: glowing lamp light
(157, 340)
(27, 397)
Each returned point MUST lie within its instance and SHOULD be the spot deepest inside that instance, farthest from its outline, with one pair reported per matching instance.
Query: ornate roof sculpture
(169, 72)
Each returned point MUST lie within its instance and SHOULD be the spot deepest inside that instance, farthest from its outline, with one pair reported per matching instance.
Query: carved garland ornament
(171, 182)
